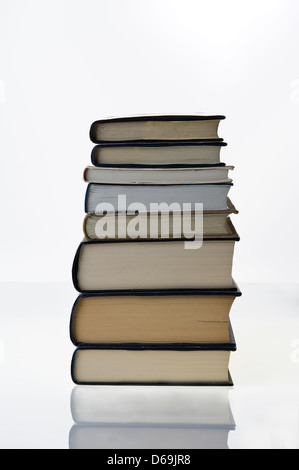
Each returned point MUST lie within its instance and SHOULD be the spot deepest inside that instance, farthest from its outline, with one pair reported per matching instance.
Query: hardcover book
(152, 317)
(153, 264)
(130, 197)
(201, 364)
(157, 154)
(156, 128)
(214, 224)
(113, 175)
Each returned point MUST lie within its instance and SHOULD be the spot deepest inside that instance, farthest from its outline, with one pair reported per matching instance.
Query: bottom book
(203, 364)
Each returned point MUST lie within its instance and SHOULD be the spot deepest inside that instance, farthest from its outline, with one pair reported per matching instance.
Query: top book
(188, 127)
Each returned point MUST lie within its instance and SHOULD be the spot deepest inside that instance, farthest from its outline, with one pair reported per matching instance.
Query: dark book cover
(143, 144)
(157, 347)
(154, 118)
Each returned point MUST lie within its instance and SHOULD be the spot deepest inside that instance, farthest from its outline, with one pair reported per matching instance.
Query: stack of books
(154, 270)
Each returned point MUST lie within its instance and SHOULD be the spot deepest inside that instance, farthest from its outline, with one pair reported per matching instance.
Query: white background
(64, 64)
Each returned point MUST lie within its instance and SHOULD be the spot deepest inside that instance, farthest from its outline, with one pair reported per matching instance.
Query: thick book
(201, 364)
(214, 224)
(153, 264)
(113, 175)
(101, 198)
(150, 417)
(156, 128)
(182, 154)
(152, 317)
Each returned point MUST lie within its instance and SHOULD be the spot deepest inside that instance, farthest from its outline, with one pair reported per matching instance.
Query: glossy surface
(40, 407)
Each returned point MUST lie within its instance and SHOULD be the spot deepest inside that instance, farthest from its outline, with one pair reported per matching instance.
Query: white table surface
(36, 387)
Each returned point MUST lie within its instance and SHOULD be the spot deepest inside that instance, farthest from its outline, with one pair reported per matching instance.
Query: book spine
(71, 319)
(75, 268)
(92, 156)
(86, 198)
(84, 226)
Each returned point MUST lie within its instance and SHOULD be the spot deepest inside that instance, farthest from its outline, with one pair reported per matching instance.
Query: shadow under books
(150, 417)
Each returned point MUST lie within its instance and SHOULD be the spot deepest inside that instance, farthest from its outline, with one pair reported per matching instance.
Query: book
(156, 128)
(157, 154)
(150, 417)
(201, 364)
(116, 175)
(153, 264)
(152, 198)
(152, 317)
(214, 224)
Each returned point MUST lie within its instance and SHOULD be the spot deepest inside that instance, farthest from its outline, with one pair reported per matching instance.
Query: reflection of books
(143, 437)
(150, 417)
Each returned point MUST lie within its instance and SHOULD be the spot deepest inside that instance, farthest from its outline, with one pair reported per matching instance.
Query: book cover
(174, 154)
(153, 264)
(156, 128)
